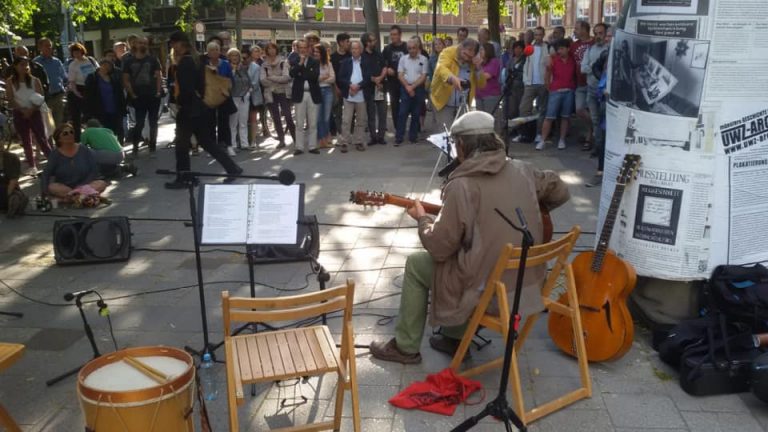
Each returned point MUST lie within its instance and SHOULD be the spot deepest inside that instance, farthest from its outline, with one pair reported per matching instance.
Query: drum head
(121, 376)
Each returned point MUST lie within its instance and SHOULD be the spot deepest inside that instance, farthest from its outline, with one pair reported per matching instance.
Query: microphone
(286, 177)
(72, 295)
(521, 218)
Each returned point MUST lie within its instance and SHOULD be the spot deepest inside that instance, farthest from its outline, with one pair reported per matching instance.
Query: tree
(19, 15)
(371, 14)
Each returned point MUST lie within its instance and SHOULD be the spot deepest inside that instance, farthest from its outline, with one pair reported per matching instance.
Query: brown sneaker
(388, 351)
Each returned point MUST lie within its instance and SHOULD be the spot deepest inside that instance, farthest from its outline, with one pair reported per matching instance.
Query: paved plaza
(636, 393)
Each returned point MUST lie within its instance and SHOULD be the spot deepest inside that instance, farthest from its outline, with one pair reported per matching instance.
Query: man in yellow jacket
(456, 64)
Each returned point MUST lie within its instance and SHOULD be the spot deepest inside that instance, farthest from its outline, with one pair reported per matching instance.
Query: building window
(582, 10)
(358, 4)
(311, 2)
(343, 4)
(531, 20)
(611, 11)
(329, 4)
(555, 20)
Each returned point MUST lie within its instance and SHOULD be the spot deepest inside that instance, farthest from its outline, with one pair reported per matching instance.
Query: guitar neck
(605, 234)
(404, 202)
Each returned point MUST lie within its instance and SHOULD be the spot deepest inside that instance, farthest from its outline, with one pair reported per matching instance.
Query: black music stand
(499, 407)
(191, 178)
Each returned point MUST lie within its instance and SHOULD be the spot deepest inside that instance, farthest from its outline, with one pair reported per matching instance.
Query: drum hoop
(143, 395)
(106, 403)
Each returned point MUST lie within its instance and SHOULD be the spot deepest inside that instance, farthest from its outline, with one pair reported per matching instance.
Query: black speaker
(82, 241)
(307, 249)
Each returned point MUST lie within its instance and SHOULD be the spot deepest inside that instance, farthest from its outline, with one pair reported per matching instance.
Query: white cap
(473, 123)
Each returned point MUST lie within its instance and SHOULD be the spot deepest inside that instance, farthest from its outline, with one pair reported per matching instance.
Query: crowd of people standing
(317, 96)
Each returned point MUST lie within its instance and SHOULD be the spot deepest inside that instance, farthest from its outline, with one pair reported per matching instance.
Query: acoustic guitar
(378, 199)
(603, 283)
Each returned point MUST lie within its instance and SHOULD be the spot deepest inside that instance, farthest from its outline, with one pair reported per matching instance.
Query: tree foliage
(17, 15)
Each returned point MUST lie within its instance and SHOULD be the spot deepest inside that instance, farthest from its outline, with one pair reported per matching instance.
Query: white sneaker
(231, 151)
(561, 145)
(517, 139)
(538, 138)
(540, 145)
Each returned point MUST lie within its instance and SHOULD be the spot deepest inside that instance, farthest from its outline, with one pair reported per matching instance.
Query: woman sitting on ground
(72, 171)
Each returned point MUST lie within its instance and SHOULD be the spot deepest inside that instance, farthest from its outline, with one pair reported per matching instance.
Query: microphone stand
(499, 407)
(91, 339)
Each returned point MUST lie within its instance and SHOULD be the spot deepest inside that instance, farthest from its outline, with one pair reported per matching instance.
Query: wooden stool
(9, 353)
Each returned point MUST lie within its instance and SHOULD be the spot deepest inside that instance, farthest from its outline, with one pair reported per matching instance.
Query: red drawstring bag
(441, 393)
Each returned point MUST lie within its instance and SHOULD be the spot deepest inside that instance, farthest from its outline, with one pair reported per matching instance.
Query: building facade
(260, 23)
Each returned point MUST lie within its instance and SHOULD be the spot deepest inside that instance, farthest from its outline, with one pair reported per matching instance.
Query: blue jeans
(409, 105)
(324, 113)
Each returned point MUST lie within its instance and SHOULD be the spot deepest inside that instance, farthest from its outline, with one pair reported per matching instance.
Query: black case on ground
(727, 377)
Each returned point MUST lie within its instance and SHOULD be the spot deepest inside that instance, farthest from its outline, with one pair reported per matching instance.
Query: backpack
(740, 293)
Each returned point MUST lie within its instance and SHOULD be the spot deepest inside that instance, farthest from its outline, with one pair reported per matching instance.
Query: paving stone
(642, 410)
(720, 422)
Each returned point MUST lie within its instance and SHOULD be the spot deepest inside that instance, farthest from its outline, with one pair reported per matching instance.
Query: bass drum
(116, 396)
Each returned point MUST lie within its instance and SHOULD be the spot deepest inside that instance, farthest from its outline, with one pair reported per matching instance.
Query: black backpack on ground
(714, 353)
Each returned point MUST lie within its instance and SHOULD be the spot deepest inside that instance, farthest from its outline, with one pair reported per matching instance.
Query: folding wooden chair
(541, 255)
(291, 353)
(9, 353)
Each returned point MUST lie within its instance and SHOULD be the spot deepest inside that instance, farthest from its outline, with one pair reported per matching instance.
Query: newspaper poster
(658, 75)
(664, 222)
(669, 7)
(742, 183)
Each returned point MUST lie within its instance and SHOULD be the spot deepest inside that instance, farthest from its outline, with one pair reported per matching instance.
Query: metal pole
(434, 20)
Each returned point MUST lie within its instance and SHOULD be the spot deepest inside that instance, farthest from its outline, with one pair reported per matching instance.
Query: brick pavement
(636, 393)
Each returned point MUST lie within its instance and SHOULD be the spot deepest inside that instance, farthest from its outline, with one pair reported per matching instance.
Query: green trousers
(414, 301)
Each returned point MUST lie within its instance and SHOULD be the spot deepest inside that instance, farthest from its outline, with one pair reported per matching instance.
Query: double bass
(603, 283)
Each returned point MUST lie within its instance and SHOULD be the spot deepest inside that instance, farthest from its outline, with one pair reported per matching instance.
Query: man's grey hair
(470, 43)
(473, 145)
(355, 42)
(415, 40)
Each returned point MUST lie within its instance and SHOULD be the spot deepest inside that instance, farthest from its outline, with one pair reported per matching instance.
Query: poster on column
(686, 94)
(742, 183)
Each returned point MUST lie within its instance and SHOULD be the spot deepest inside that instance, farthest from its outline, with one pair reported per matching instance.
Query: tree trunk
(371, 13)
(239, 23)
(493, 19)
(106, 43)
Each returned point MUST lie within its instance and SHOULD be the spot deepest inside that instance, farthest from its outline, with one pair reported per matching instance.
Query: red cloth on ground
(441, 393)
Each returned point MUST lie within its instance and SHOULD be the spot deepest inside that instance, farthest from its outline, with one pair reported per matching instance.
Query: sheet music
(274, 213)
(225, 214)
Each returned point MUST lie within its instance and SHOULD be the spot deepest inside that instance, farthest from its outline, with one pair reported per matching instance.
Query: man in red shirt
(578, 48)
(560, 79)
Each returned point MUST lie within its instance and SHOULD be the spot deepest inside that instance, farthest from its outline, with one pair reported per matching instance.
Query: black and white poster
(658, 209)
(658, 75)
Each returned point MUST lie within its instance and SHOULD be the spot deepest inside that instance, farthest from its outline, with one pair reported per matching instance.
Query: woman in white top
(80, 68)
(25, 94)
(327, 79)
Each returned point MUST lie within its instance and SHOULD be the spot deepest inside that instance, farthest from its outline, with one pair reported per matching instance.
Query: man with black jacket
(193, 116)
(305, 95)
(373, 90)
(392, 53)
(341, 53)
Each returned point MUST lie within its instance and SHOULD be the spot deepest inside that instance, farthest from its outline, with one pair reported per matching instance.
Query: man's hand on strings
(417, 211)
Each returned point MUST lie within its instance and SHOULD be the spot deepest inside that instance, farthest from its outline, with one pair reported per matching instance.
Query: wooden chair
(291, 353)
(9, 353)
(541, 255)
